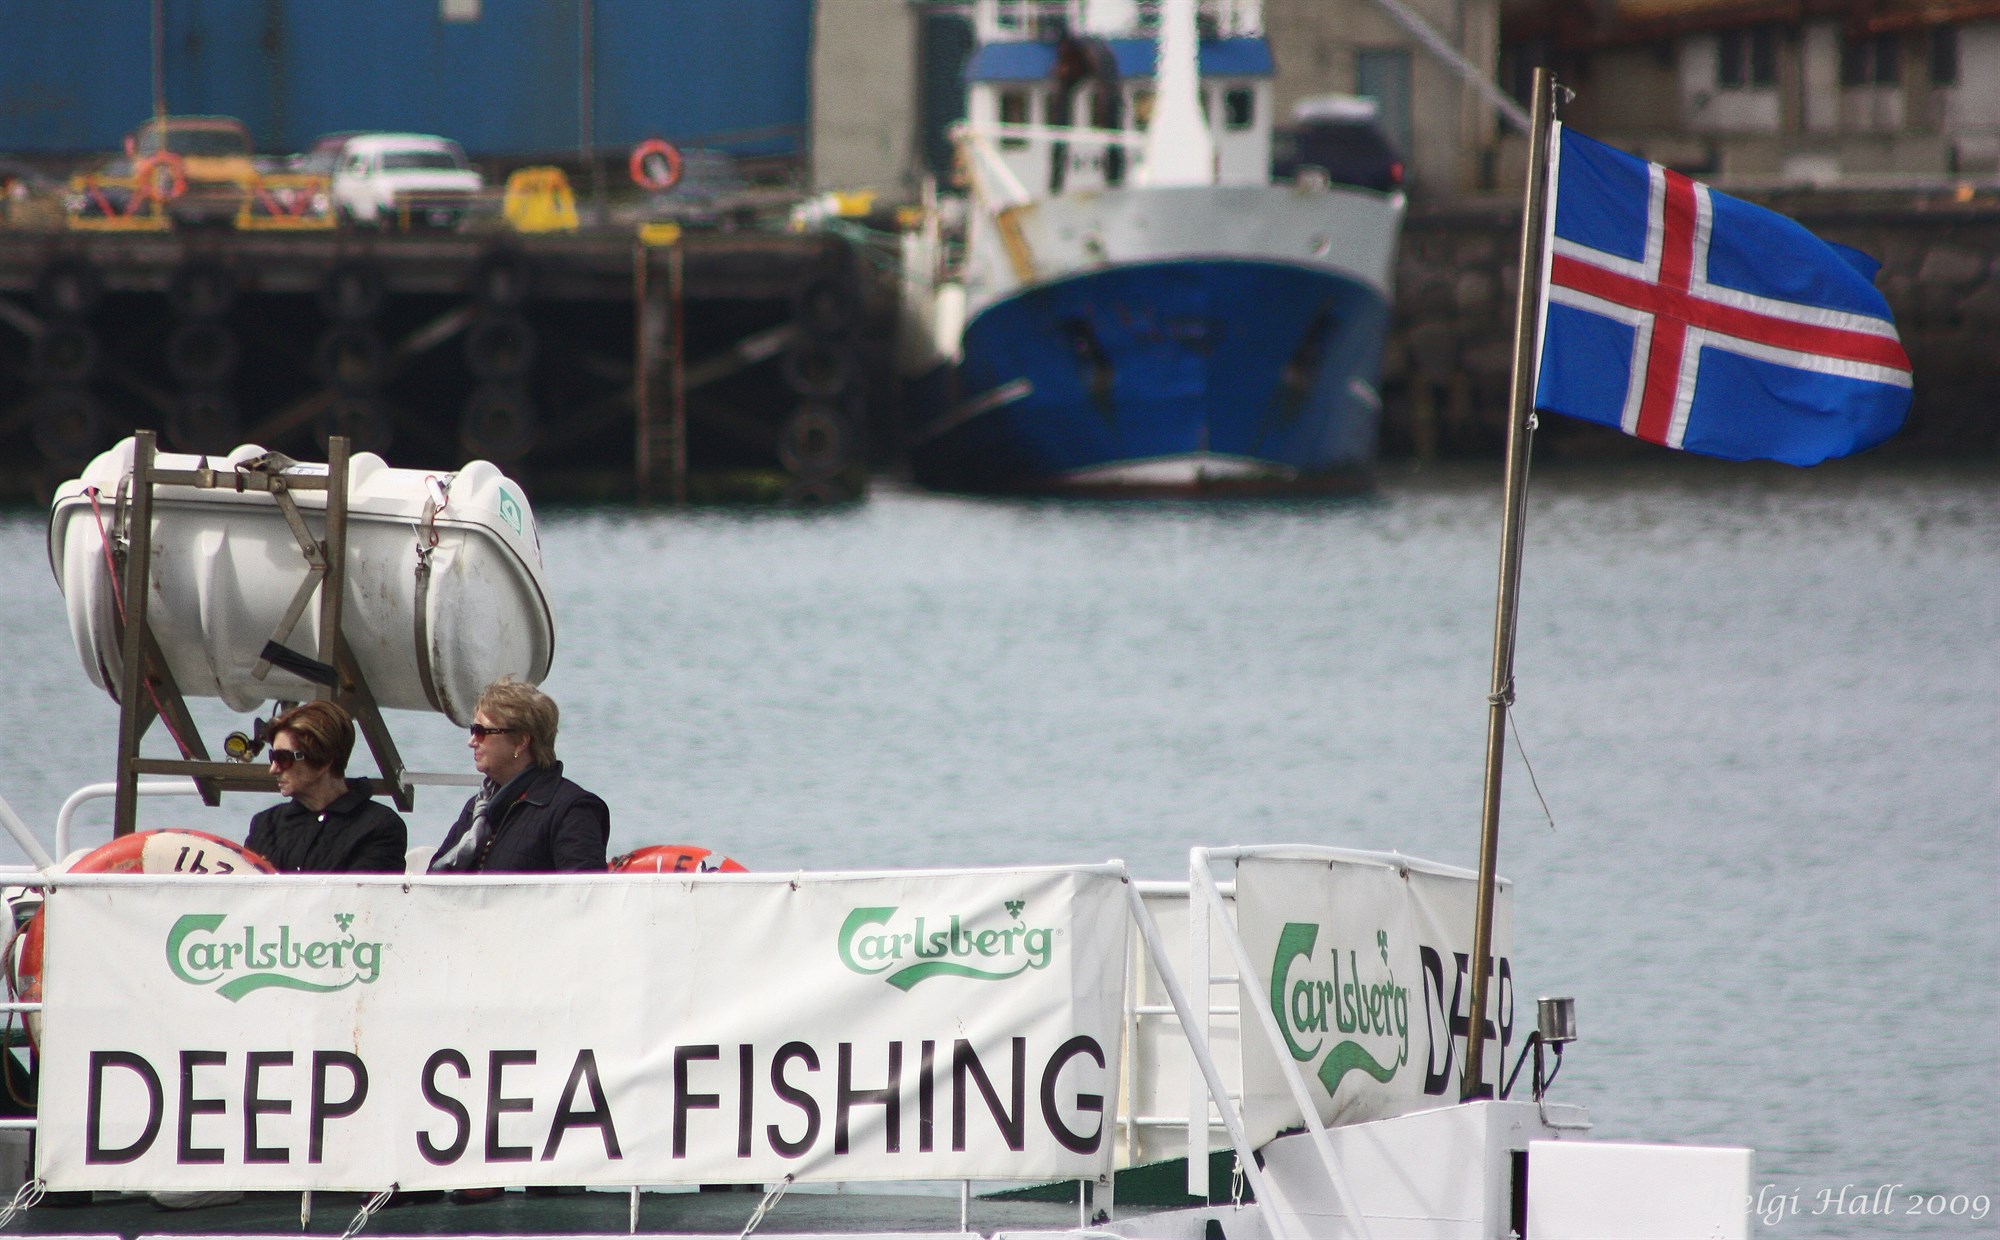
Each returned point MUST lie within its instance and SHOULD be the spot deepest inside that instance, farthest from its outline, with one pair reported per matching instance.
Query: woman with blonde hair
(525, 818)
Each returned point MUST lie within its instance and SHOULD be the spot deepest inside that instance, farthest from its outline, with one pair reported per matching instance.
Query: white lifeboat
(225, 566)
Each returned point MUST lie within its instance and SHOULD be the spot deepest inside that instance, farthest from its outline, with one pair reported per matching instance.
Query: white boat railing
(180, 786)
(1209, 910)
(1201, 876)
(22, 836)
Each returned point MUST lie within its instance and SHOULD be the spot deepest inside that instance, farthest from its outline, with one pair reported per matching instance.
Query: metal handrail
(1199, 875)
(179, 786)
(1204, 1057)
(22, 836)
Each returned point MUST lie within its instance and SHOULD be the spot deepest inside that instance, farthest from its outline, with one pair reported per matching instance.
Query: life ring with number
(675, 859)
(147, 182)
(656, 165)
(142, 852)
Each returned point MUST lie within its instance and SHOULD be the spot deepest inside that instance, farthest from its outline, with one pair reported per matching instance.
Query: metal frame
(146, 689)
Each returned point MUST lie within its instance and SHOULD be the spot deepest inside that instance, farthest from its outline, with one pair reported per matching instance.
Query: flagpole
(1520, 438)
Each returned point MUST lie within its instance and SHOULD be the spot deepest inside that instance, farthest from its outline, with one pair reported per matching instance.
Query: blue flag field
(1701, 322)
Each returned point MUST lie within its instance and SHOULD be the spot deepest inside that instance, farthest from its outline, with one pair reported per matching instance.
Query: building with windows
(1778, 92)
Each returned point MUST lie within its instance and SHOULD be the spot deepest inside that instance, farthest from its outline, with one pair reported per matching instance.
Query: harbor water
(1759, 706)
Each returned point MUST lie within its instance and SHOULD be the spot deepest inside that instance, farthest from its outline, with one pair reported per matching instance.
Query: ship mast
(1520, 439)
(1179, 150)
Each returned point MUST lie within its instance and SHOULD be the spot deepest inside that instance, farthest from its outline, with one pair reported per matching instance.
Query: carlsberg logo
(1367, 1007)
(947, 945)
(246, 958)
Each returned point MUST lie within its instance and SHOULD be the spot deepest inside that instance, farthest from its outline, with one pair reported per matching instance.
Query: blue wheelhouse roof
(1033, 61)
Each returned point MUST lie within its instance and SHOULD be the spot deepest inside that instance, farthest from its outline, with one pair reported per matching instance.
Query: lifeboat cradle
(147, 689)
(180, 589)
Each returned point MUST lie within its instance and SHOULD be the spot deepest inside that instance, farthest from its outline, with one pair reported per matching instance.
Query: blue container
(727, 74)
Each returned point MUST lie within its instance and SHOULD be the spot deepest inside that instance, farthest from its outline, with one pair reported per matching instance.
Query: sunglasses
(480, 731)
(283, 758)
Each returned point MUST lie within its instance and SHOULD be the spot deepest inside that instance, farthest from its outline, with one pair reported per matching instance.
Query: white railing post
(1200, 1031)
(1200, 877)
(1265, 1190)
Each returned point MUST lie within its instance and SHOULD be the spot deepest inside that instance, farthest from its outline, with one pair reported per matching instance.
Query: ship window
(1142, 110)
(1239, 108)
(1009, 16)
(1083, 107)
(1013, 111)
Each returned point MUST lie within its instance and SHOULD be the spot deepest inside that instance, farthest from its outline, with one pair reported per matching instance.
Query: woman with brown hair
(525, 818)
(330, 825)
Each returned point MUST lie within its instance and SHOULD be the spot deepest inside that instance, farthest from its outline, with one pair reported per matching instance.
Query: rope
(427, 541)
(27, 1197)
(367, 1211)
(7, 1063)
(118, 596)
(764, 1207)
(1521, 748)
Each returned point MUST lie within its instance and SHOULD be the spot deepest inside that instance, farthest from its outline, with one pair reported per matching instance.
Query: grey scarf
(472, 845)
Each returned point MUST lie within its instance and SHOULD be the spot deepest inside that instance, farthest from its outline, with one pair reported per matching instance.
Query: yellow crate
(539, 200)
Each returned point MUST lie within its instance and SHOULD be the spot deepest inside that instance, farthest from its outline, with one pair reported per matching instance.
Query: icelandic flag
(1695, 320)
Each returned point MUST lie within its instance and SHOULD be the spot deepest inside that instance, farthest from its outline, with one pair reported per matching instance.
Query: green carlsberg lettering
(255, 958)
(1372, 1013)
(872, 940)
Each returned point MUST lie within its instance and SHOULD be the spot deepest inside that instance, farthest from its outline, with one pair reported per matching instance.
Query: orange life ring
(674, 859)
(143, 852)
(646, 169)
(147, 185)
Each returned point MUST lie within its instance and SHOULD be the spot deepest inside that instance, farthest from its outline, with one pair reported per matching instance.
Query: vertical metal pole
(1520, 438)
(646, 343)
(160, 64)
(1203, 1000)
(586, 104)
(134, 704)
(677, 367)
(333, 586)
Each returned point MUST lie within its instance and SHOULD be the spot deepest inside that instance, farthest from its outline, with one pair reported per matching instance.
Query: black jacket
(354, 835)
(552, 826)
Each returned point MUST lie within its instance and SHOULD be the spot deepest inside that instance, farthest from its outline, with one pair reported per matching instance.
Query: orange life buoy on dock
(146, 177)
(675, 859)
(656, 165)
(143, 852)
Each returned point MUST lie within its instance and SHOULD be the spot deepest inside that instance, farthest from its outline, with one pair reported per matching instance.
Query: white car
(403, 180)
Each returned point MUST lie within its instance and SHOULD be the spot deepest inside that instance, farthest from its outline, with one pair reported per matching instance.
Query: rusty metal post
(660, 391)
(134, 711)
(677, 367)
(333, 549)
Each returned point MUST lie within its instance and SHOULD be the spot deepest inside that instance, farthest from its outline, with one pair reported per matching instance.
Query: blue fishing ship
(1125, 300)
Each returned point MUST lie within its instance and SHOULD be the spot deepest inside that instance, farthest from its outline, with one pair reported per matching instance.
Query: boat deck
(515, 1213)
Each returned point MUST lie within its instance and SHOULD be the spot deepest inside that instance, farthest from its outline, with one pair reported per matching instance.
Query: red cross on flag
(1701, 322)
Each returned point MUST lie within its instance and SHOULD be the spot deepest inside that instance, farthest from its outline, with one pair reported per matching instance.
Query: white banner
(1366, 965)
(296, 1033)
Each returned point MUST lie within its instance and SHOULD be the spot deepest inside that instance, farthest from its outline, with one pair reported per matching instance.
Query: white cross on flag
(1698, 321)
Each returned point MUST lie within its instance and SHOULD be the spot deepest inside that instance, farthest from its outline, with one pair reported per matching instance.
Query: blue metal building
(503, 77)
